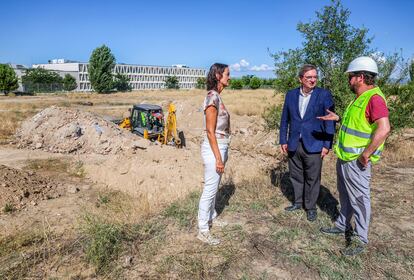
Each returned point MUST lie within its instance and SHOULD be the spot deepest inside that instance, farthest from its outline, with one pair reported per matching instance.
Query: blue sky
(192, 32)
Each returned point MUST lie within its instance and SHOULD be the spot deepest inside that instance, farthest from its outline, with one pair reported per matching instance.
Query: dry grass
(11, 121)
(13, 110)
(400, 146)
(249, 102)
(60, 166)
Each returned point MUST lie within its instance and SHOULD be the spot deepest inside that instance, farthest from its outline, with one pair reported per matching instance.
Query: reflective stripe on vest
(357, 151)
(356, 132)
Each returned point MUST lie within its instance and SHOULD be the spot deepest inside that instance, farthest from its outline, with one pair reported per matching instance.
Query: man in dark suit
(305, 138)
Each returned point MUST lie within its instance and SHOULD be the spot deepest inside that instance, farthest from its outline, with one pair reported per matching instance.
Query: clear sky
(192, 32)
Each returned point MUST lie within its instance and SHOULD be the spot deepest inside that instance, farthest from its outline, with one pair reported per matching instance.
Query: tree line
(245, 82)
(35, 80)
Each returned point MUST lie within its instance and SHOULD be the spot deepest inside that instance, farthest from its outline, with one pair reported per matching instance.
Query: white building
(20, 70)
(140, 76)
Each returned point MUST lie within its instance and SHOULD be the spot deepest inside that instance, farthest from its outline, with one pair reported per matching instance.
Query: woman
(214, 149)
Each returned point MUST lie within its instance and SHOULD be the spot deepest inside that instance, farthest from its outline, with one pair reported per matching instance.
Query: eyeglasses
(308, 78)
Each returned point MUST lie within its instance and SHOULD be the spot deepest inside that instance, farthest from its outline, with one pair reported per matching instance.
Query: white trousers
(206, 208)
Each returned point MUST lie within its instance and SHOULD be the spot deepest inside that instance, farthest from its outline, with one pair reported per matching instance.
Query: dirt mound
(63, 130)
(19, 188)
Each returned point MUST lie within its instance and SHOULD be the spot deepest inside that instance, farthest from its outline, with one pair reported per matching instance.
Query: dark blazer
(315, 133)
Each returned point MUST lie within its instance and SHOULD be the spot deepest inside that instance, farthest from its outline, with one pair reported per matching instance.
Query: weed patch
(184, 212)
(102, 242)
(8, 208)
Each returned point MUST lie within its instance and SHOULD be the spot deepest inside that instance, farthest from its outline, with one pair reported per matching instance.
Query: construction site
(92, 188)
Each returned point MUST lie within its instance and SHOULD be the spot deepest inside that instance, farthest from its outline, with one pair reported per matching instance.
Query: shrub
(236, 84)
(121, 83)
(272, 116)
(42, 80)
(201, 83)
(172, 82)
(255, 83)
(401, 105)
(102, 242)
(246, 80)
(69, 83)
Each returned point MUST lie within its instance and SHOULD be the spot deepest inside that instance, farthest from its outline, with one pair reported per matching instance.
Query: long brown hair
(212, 81)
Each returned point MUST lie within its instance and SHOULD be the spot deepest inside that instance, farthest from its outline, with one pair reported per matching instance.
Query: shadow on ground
(326, 201)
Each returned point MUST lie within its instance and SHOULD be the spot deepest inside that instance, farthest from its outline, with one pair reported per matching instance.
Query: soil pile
(63, 130)
(19, 188)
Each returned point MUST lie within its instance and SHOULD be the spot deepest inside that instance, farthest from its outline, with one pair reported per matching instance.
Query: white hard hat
(363, 63)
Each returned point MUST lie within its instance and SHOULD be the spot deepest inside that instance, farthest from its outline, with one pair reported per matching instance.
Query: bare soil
(19, 188)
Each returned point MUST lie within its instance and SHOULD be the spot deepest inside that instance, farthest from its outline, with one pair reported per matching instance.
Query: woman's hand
(219, 166)
(330, 117)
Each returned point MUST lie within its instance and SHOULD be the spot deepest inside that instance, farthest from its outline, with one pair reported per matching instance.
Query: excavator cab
(147, 118)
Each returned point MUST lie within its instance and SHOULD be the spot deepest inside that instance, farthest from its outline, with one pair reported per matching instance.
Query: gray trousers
(353, 181)
(305, 176)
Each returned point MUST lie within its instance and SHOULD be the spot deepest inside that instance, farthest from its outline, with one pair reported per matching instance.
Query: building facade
(141, 77)
(20, 70)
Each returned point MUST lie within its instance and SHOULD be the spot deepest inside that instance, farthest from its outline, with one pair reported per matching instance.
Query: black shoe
(333, 230)
(356, 247)
(293, 207)
(311, 215)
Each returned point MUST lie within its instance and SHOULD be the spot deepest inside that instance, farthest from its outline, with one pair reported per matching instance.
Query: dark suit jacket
(315, 133)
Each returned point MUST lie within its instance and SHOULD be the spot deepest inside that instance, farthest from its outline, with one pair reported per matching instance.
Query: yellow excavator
(147, 120)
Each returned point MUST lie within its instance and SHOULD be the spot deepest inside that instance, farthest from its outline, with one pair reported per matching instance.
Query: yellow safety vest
(356, 132)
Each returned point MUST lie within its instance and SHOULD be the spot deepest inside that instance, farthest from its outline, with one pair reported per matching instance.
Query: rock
(73, 189)
(127, 261)
(38, 145)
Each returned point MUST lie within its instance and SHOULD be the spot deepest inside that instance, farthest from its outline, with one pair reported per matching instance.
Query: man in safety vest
(364, 128)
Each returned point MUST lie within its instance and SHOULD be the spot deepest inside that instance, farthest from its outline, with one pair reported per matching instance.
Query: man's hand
(284, 148)
(364, 159)
(324, 152)
(331, 116)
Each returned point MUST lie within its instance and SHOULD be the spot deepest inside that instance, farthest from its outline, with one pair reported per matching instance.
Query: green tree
(69, 83)
(411, 71)
(201, 83)
(172, 82)
(42, 80)
(8, 79)
(121, 83)
(236, 84)
(392, 68)
(401, 105)
(255, 83)
(268, 83)
(330, 43)
(246, 80)
(287, 65)
(101, 65)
